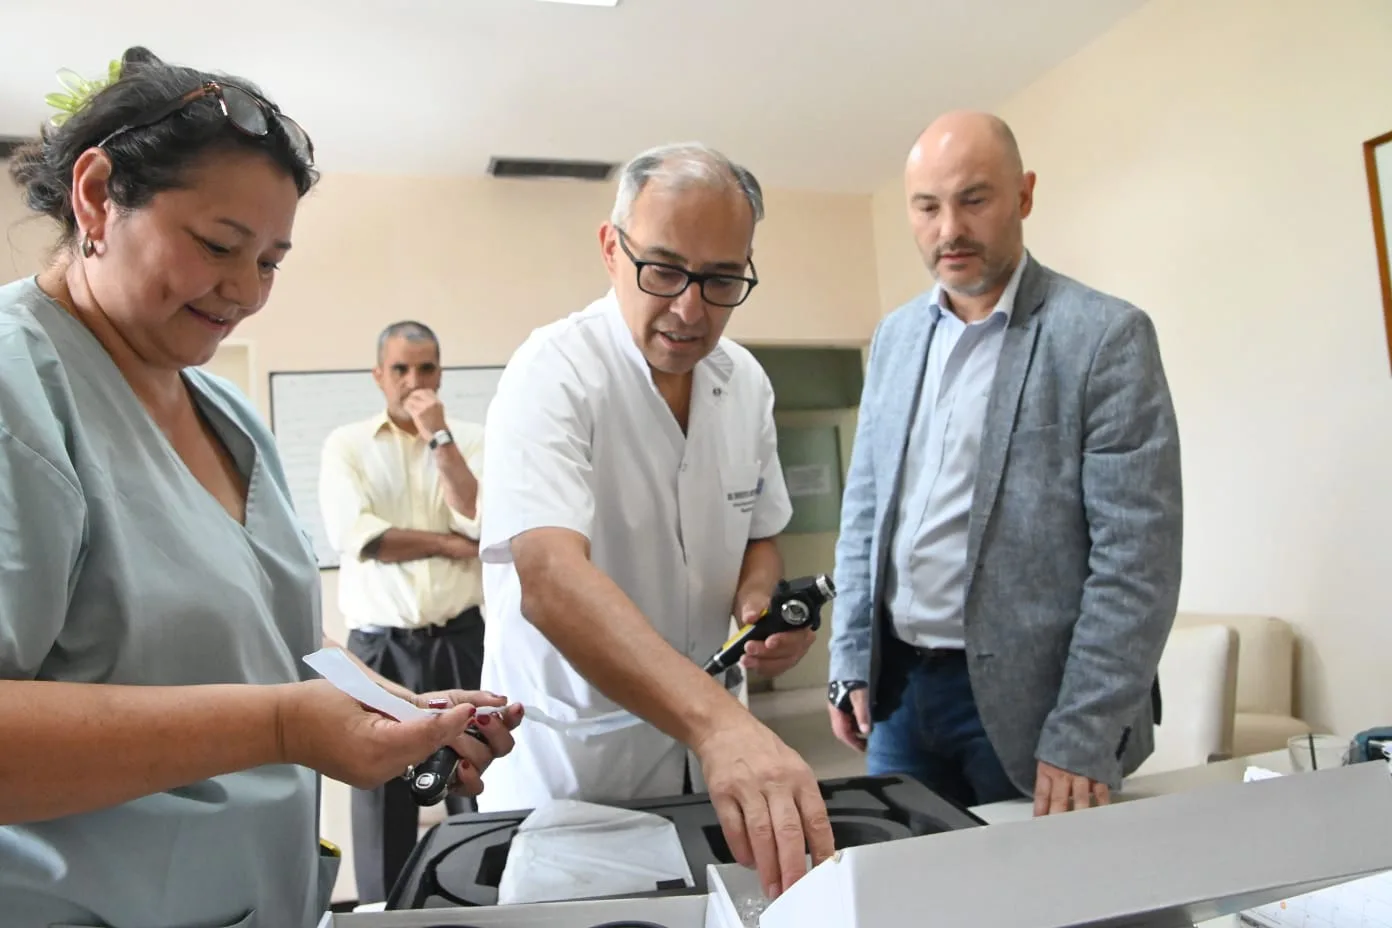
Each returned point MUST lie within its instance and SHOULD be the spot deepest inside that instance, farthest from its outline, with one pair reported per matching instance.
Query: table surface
(1159, 784)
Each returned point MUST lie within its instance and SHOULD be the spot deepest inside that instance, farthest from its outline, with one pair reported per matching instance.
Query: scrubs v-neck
(118, 567)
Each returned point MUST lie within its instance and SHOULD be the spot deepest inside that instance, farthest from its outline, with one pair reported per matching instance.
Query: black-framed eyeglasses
(248, 113)
(657, 278)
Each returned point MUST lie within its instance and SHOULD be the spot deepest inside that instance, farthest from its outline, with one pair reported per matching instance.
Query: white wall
(1204, 161)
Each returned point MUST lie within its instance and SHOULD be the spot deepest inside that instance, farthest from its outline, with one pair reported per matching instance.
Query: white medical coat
(578, 437)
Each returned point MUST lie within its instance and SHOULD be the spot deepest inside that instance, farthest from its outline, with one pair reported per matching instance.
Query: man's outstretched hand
(768, 802)
(1058, 791)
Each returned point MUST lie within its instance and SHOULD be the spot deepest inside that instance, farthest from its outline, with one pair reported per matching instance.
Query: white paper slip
(334, 665)
(583, 728)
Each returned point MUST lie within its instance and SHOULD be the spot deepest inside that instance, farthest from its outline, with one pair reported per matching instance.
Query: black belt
(935, 656)
(929, 657)
(454, 626)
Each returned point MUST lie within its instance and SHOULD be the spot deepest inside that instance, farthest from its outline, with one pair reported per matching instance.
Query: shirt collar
(619, 331)
(383, 421)
(1005, 306)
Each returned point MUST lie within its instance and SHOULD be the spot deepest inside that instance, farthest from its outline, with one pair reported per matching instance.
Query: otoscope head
(799, 602)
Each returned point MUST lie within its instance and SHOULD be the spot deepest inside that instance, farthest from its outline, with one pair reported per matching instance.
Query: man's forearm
(1133, 501)
(761, 570)
(852, 628)
(608, 640)
(457, 480)
(398, 545)
(1127, 610)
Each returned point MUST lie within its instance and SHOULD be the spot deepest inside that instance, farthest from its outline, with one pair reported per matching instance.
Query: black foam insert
(460, 861)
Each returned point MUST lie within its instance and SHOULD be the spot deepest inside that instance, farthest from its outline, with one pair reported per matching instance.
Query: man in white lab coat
(634, 493)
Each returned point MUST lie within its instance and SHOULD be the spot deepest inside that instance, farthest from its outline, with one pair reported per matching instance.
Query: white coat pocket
(741, 486)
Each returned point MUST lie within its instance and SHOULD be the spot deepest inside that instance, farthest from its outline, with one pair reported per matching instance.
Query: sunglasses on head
(248, 113)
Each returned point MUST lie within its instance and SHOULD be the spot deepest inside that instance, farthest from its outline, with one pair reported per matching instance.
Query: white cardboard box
(1163, 862)
(1167, 861)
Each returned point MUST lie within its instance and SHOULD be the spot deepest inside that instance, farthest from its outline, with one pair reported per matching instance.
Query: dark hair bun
(138, 56)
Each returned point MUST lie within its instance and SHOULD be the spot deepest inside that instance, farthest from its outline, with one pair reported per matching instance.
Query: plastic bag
(568, 849)
(583, 729)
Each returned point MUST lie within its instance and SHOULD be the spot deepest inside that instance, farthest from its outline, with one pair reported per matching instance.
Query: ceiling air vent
(541, 167)
(8, 144)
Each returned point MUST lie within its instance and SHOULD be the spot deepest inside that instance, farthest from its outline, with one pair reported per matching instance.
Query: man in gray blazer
(1009, 561)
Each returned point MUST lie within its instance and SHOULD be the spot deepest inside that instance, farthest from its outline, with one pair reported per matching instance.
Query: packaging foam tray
(460, 861)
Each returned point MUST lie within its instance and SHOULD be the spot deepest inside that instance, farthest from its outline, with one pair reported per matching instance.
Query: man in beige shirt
(399, 497)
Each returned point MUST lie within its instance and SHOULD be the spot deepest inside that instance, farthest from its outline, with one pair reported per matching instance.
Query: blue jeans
(935, 736)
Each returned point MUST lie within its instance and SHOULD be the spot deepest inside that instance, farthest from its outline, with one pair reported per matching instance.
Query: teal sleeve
(41, 543)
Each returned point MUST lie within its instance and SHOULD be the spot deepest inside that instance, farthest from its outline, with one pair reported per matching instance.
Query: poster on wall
(811, 458)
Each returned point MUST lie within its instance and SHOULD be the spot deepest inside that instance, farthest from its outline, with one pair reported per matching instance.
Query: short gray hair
(680, 165)
(410, 330)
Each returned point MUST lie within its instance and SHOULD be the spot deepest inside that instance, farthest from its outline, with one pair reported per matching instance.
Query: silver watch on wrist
(440, 439)
(839, 693)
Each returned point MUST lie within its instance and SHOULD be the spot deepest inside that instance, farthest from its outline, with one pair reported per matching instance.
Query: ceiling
(828, 101)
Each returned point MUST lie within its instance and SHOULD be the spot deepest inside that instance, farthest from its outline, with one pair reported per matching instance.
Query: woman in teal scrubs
(159, 731)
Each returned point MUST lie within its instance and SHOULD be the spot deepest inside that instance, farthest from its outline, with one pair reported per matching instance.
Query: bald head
(968, 196)
(983, 135)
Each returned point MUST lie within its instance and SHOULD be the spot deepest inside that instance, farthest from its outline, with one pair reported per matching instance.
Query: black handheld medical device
(795, 604)
(430, 781)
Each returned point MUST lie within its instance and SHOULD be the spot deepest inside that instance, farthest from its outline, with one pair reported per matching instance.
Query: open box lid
(1167, 861)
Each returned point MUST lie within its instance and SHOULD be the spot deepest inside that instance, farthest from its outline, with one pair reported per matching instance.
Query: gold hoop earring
(89, 248)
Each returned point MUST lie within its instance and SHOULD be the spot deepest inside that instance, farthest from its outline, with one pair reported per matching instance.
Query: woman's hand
(494, 727)
(320, 727)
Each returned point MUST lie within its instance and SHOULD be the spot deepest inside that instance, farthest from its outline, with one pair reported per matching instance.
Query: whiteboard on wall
(307, 405)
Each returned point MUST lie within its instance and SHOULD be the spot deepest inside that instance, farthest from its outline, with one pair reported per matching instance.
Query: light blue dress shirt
(927, 575)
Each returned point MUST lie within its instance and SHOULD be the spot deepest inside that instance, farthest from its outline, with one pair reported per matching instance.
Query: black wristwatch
(839, 693)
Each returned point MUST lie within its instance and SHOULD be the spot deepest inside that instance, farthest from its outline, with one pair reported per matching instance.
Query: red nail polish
(486, 718)
(464, 764)
(438, 704)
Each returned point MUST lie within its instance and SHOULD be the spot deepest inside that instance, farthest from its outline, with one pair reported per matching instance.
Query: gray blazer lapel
(906, 362)
(912, 359)
(1011, 369)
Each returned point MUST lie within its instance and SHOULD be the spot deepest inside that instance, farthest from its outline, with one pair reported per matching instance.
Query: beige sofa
(1265, 713)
